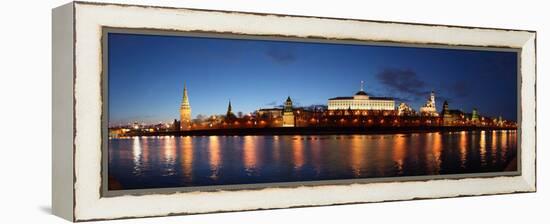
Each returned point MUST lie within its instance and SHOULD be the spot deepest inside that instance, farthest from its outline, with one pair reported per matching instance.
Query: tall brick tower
(185, 111)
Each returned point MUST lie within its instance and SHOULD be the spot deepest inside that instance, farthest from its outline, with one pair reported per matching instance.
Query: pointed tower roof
(288, 105)
(229, 114)
(185, 100)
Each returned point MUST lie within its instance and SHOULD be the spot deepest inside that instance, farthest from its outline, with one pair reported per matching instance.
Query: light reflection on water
(187, 158)
(249, 154)
(482, 148)
(168, 159)
(152, 162)
(136, 150)
(297, 151)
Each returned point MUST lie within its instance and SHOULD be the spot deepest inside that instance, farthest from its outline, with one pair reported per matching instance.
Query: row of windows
(336, 107)
(361, 101)
(361, 105)
(363, 108)
(356, 104)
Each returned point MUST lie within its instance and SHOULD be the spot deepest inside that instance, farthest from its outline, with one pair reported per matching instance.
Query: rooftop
(362, 93)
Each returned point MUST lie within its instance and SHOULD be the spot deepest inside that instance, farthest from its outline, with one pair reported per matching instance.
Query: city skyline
(147, 74)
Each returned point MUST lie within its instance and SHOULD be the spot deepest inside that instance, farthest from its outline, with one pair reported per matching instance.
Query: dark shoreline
(316, 131)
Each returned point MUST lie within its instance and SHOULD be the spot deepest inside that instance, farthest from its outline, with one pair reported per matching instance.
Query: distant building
(429, 109)
(176, 125)
(269, 113)
(288, 114)
(361, 101)
(404, 110)
(451, 117)
(117, 132)
(185, 111)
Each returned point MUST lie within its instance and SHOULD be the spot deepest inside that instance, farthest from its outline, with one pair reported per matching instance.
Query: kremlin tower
(185, 111)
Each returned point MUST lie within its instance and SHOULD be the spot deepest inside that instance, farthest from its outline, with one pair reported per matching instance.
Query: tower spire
(229, 107)
(185, 100)
(229, 114)
(362, 85)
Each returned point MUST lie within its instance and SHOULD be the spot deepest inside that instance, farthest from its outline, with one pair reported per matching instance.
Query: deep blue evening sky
(147, 74)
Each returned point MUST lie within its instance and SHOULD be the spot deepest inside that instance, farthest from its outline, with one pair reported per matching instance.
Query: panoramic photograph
(196, 111)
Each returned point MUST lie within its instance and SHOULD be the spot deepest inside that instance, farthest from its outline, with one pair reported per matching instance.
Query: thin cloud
(403, 81)
(272, 103)
(281, 55)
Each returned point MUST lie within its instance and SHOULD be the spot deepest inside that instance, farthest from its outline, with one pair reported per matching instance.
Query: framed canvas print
(164, 111)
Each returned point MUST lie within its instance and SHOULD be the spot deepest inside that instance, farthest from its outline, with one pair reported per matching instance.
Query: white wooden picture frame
(78, 105)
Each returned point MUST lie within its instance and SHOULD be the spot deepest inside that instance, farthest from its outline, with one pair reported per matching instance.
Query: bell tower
(432, 98)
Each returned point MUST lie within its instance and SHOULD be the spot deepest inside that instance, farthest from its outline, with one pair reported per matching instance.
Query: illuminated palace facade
(361, 101)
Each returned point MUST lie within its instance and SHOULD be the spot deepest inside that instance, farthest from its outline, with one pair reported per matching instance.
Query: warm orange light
(250, 158)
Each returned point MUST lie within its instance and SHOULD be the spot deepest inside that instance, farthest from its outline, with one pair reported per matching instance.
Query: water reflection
(214, 154)
(383, 162)
(150, 162)
(503, 142)
(145, 151)
(399, 153)
(316, 148)
(169, 156)
(298, 152)
(187, 159)
(276, 148)
(357, 156)
(462, 146)
(494, 146)
(136, 152)
(250, 158)
(436, 152)
(482, 148)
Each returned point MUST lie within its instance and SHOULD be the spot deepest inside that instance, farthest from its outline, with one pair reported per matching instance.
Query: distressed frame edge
(529, 63)
(62, 169)
(531, 186)
(296, 16)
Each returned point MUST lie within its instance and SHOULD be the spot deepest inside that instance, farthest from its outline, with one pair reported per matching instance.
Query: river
(168, 161)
